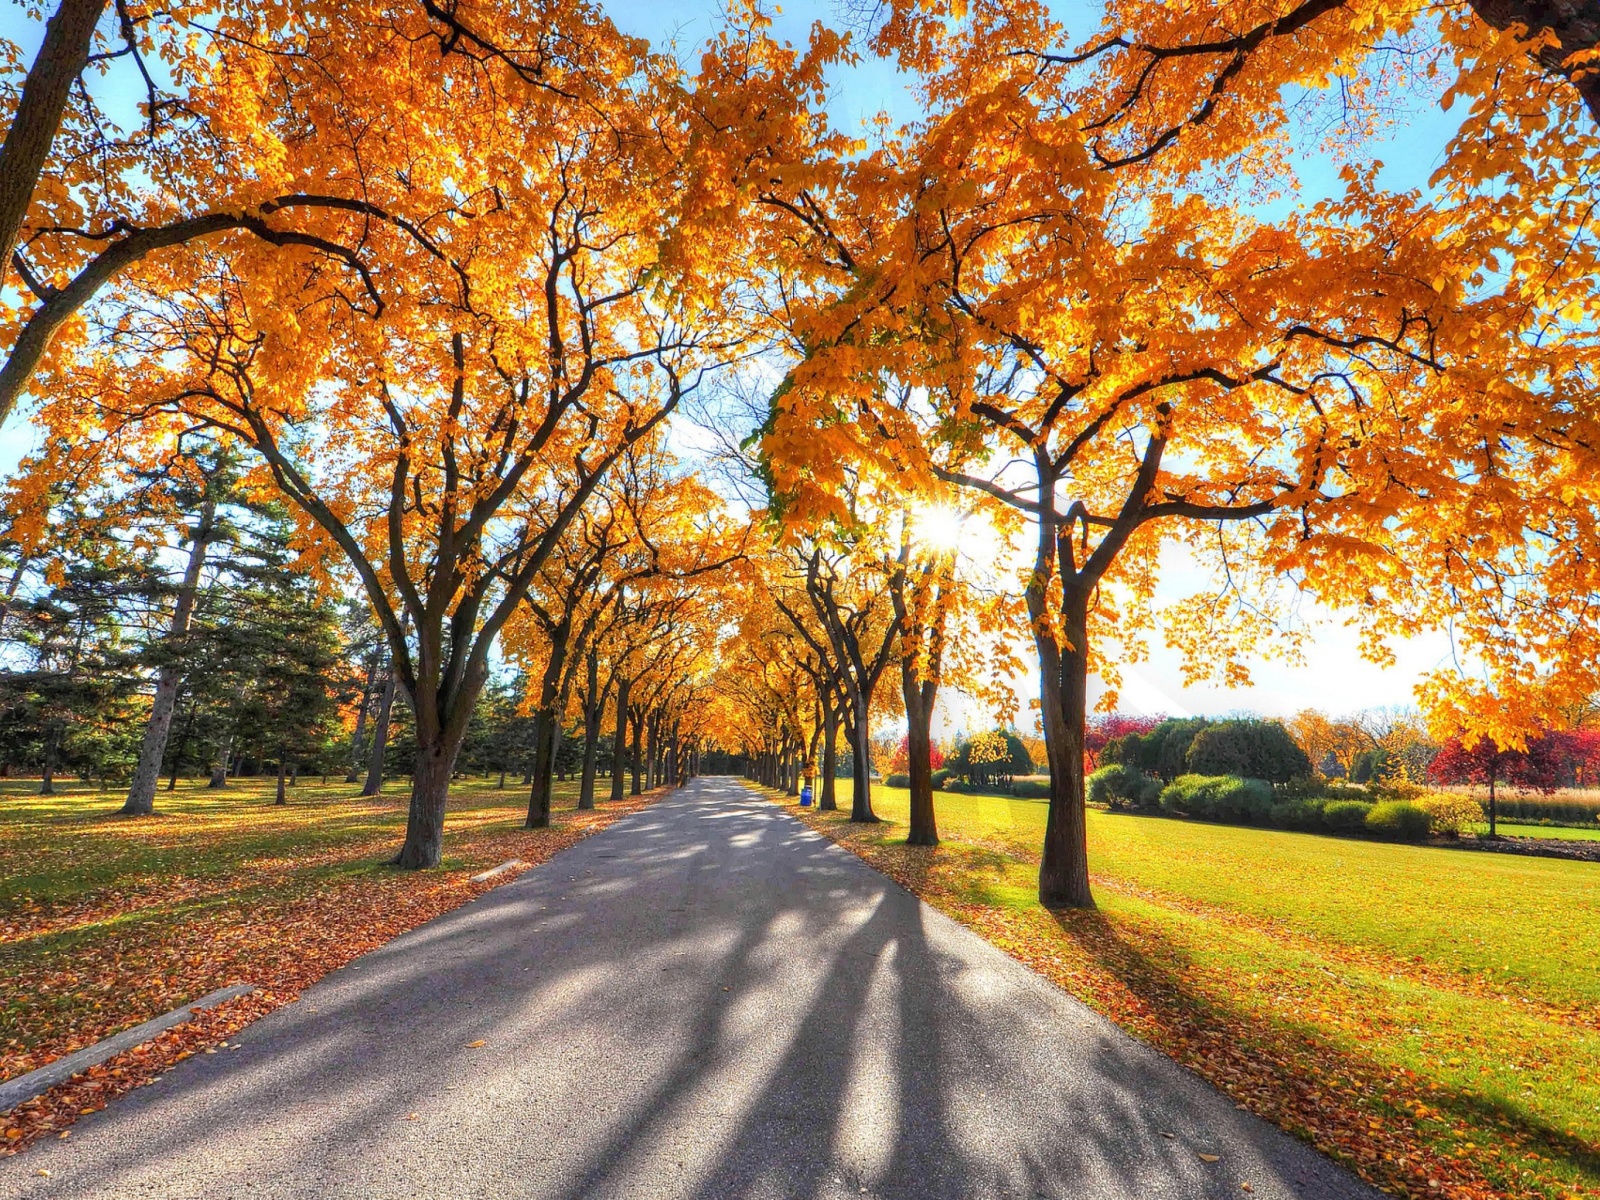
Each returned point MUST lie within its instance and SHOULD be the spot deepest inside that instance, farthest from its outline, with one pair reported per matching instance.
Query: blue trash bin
(805, 796)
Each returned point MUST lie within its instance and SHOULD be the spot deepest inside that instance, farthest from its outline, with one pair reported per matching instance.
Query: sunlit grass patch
(1424, 1014)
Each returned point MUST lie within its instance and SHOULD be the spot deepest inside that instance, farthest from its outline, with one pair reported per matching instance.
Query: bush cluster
(897, 780)
(1228, 798)
(1121, 786)
(1307, 805)
(1247, 748)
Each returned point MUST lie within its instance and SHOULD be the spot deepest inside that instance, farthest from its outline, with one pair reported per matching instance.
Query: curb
(25, 1087)
(509, 865)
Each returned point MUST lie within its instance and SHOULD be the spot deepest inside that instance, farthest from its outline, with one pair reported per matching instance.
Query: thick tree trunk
(652, 733)
(919, 697)
(829, 799)
(219, 770)
(1063, 702)
(861, 801)
(141, 799)
(637, 749)
(619, 746)
(283, 768)
(430, 793)
(592, 707)
(546, 729)
(380, 741)
(68, 37)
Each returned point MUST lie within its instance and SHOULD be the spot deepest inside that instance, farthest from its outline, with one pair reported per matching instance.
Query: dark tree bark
(283, 768)
(380, 737)
(359, 740)
(593, 706)
(141, 799)
(63, 54)
(829, 799)
(619, 746)
(636, 715)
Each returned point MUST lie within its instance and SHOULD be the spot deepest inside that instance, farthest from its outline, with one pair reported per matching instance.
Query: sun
(939, 526)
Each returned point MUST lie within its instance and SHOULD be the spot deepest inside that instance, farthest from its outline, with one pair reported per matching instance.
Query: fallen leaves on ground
(131, 953)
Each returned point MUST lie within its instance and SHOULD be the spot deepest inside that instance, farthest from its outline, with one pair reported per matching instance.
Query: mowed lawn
(106, 921)
(1431, 1016)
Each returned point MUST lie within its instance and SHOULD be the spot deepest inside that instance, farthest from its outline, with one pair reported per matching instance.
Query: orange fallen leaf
(476, 1044)
(1210, 1158)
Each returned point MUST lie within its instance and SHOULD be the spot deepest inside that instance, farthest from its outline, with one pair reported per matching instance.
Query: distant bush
(1346, 816)
(1398, 820)
(941, 777)
(960, 786)
(900, 781)
(1219, 798)
(1297, 814)
(1118, 785)
(1160, 752)
(1450, 812)
(1252, 749)
(1312, 787)
(1031, 789)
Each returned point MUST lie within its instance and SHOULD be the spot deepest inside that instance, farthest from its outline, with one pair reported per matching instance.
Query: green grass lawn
(1571, 833)
(1402, 976)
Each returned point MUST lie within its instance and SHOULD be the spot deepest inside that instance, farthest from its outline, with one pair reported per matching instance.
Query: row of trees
(440, 275)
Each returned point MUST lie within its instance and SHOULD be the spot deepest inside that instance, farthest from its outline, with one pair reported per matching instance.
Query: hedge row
(1239, 801)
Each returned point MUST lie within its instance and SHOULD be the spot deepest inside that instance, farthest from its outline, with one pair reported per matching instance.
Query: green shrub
(959, 786)
(1160, 752)
(1297, 814)
(1254, 749)
(1315, 787)
(902, 781)
(941, 777)
(1121, 786)
(1398, 820)
(1219, 798)
(1346, 816)
(1031, 789)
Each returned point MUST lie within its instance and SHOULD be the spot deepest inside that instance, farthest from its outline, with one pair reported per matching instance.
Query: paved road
(706, 1000)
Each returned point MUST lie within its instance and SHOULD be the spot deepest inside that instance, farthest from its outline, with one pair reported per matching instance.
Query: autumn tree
(531, 333)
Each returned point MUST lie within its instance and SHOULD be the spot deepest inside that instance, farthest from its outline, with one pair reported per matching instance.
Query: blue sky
(1333, 676)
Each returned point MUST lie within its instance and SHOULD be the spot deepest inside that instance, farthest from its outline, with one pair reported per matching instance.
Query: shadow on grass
(1278, 1061)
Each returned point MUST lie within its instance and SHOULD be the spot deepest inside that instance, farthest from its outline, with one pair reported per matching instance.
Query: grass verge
(107, 921)
(1429, 1017)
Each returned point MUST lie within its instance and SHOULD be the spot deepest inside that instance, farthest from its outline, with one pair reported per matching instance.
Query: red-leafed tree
(1538, 767)
(1108, 727)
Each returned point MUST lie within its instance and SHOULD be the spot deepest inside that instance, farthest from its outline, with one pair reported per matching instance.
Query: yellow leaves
(477, 1045)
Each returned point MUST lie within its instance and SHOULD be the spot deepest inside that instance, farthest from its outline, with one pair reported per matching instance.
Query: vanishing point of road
(704, 1000)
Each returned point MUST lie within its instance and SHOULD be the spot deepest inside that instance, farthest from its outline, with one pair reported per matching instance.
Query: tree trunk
(919, 696)
(380, 742)
(282, 773)
(358, 741)
(545, 732)
(142, 794)
(619, 746)
(219, 772)
(68, 37)
(1063, 703)
(828, 801)
(430, 793)
(638, 737)
(47, 781)
(861, 801)
(1492, 832)
(593, 706)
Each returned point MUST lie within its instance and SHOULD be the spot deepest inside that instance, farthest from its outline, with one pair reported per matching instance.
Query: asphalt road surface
(705, 1000)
